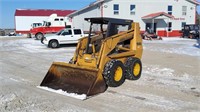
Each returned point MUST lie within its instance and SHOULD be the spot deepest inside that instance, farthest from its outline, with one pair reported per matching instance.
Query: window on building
(170, 8)
(170, 26)
(77, 31)
(183, 24)
(132, 9)
(61, 19)
(184, 10)
(116, 9)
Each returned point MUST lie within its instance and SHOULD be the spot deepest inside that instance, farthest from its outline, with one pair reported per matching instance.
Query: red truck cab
(52, 25)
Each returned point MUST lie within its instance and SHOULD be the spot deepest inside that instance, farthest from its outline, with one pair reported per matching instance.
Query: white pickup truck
(65, 36)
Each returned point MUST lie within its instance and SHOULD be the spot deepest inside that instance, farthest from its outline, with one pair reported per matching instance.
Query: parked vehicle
(150, 35)
(52, 25)
(12, 34)
(2, 32)
(191, 31)
(65, 36)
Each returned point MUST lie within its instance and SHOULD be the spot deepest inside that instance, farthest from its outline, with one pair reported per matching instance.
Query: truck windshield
(36, 25)
(194, 27)
(60, 32)
(44, 23)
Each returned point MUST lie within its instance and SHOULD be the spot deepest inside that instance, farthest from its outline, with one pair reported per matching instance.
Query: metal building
(164, 17)
(25, 17)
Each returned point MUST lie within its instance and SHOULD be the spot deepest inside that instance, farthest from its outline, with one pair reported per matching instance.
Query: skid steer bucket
(74, 79)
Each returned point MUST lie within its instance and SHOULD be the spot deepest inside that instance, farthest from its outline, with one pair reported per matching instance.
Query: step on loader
(110, 54)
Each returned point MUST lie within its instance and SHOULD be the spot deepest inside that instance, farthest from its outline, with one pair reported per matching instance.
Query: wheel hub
(54, 44)
(118, 74)
(136, 69)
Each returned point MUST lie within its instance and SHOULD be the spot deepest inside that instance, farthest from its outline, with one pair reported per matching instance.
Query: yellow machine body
(84, 75)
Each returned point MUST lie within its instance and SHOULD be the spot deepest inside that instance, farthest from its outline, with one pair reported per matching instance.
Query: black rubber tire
(53, 44)
(109, 73)
(130, 66)
(39, 36)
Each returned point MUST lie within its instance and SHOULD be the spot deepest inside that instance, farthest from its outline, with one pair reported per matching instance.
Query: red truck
(52, 25)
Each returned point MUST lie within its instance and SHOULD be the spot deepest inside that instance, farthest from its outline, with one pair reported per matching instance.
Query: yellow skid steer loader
(109, 55)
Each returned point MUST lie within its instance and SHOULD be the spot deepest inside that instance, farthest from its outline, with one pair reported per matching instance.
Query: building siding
(23, 23)
(25, 17)
(142, 8)
(78, 19)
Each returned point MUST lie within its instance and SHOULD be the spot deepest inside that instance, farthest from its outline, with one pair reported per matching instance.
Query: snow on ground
(31, 45)
(18, 36)
(185, 46)
(36, 47)
(167, 77)
(25, 61)
(74, 95)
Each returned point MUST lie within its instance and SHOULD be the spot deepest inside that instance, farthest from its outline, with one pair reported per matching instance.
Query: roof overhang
(106, 20)
(42, 12)
(194, 2)
(158, 15)
(90, 5)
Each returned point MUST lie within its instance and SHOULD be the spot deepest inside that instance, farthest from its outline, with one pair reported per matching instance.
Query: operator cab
(105, 27)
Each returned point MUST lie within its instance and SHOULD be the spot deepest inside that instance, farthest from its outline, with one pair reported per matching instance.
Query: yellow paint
(136, 69)
(118, 74)
(97, 59)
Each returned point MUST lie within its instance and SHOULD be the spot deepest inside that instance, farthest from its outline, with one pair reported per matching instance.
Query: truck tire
(114, 73)
(133, 68)
(53, 44)
(39, 36)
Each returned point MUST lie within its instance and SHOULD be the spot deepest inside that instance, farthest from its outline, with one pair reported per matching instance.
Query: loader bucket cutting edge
(74, 79)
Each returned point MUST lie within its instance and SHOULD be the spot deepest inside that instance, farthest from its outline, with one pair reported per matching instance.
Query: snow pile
(174, 45)
(74, 95)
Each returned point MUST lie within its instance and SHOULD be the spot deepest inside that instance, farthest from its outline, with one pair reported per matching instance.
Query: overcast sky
(8, 7)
